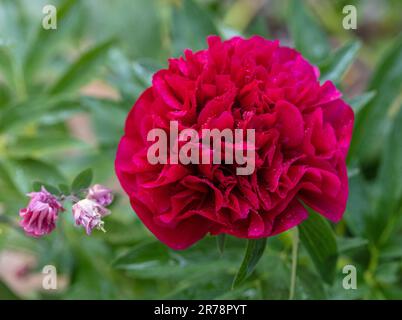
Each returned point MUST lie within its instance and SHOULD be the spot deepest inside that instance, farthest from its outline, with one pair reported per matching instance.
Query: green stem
(295, 250)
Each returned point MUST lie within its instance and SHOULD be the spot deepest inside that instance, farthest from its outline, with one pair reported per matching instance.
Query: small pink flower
(89, 214)
(100, 194)
(39, 217)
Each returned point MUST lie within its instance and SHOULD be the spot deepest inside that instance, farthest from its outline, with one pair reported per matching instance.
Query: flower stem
(295, 249)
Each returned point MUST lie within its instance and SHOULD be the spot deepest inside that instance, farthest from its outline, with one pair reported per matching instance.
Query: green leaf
(359, 102)
(8, 189)
(37, 186)
(5, 95)
(37, 110)
(145, 254)
(190, 26)
(390, 174)
(308, 284)
(82, 180)
(392, 250)
(130, 78)
(81, 70)
(319, 239)
(258, 26)
(64, 189)
(6, 63)
(107, 119)
(46, 39)
(307, 36)
(11, 71)
(254, 251)
(374, 122)
(215, 286)
(350, 244)
(220, 242)
(336, 66)
(145, 19)
(150, 260)
(6, 293)
(41, 146)
(24, 171)
(390, 182)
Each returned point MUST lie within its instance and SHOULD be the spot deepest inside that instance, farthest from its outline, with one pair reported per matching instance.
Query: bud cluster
(40, 216)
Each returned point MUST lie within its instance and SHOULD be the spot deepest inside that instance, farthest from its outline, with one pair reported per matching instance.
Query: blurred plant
(36, 101)
(39, 91)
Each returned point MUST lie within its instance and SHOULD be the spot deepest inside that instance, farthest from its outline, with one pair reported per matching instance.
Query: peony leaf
(37, 186)
(350, 244)
(308, 284)
(43, 145)
(392, 250)
(359, 102)
(359, 206)
(254, 251)
(319, 239)
(82, 180)
(8, 189)
(214, 286)
(23, 171)
(81, 70)
(190, 26)
(130, 78)
(45, 39)
(43, 110)
(258, 26)
(390, 174)
(336, 66)
(5, 95)
(107, 119)
(6, 63)
(389, 206)
(150, 254)
(150, 260)
(307, 36)
(374, 122)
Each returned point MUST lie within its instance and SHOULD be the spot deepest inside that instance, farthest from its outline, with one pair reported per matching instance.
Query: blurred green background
(64, 95)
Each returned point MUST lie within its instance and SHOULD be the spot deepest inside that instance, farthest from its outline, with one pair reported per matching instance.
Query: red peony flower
(302, 135)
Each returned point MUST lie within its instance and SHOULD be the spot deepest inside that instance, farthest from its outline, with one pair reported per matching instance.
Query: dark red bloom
(302, 128)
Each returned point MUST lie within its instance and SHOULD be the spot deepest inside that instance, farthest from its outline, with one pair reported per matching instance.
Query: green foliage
(319, 239)
(37, 186)
(79, 72)
(190, 26)
(42, 74)
(339, 62)
(82, 180)
(308, 37)
(359, 102)
(254, 251)
(220, 242)
(373, 123)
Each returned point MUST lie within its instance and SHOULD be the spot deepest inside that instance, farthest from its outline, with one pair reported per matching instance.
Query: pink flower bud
(89, 214)
(100, 194)
(39, 217)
